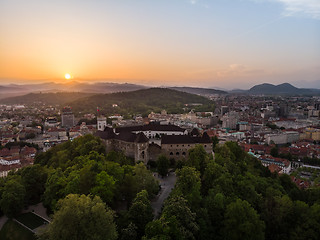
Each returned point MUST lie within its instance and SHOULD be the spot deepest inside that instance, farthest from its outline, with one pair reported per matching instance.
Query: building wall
(283, 138)
(67, 120)
(138, 151)
(180, 151)
(154, 152)
(101, 123)
(316, 136)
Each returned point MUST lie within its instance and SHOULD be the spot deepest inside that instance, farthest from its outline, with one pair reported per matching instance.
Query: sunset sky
(213, 43)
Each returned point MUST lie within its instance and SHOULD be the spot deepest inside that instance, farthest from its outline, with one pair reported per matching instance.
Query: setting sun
(67, 76)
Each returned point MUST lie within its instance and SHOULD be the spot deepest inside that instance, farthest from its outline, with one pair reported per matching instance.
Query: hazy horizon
(315, 84)
(224, 44)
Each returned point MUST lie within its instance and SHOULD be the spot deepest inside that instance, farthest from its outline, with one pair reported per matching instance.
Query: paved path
(167, 184)
(3, 220)
(38, 209)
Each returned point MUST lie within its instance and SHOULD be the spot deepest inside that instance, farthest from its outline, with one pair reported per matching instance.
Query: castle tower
(101, 123)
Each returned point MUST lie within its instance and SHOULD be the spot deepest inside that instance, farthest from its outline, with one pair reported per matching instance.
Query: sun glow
(67, 76)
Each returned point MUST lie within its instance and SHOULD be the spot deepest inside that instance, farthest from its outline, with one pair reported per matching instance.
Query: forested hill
(142, 102)
(58, 98)
(200, 91)
(229, 197)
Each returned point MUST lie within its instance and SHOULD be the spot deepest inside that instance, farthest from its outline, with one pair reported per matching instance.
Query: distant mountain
(11, 89)
(74, 86)
(284, 88)
(142, 102)
(199, 91)
(45, 98)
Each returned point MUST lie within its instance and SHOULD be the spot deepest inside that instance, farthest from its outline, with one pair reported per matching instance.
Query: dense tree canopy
(228, 196)
(81, 217)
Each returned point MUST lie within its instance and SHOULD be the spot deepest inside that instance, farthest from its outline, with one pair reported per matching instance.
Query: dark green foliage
(46, 98)
(81, 167)
(142, 102)
(242, 222)
(274, 151)
(33, 178)
(140, 212)
(177, 222)
(129, 233)
(215, 141)
(189, 185)
(235, 197)
(80, 217)
(230, 196)
(198, 158)
(13, 196)
(163, 164)
(120, 158)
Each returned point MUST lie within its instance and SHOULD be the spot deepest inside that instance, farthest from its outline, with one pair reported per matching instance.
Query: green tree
(180, 218)
(13, 197)
(104, 187)
(33, 178)
(215, 141)
(163, 164)
(198, 158)
(55, 186)
(242, 222)
(80, 217)
(188, 184)
(215, 205)
(274, 151)
(129, 233)
(140, 212)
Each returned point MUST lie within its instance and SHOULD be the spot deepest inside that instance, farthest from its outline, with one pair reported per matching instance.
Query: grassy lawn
(31, 220)
(14, 231)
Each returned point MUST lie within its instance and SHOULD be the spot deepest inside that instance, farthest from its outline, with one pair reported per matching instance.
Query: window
(177, 153)
(171, 153)
(184, 153)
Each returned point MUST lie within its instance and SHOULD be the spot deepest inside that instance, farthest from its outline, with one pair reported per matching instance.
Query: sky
(206, 43)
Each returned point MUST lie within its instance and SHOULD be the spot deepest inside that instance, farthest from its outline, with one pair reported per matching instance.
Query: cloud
(199, 3)
(304, 8)
(310, 8)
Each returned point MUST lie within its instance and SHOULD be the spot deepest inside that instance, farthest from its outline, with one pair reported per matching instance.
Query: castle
(138, 141)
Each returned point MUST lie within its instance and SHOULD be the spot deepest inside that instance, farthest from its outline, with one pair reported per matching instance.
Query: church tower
(101, 123)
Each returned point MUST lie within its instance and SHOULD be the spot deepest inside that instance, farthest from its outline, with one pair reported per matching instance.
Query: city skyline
(226, 44)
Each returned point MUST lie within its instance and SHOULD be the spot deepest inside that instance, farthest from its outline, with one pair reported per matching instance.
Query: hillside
(45, 98)
(141, 102)
(284, 88)
(200, 91)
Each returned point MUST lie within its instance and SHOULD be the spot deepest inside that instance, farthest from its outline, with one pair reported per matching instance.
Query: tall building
(67, 117)
(230, 120)
(224, 110)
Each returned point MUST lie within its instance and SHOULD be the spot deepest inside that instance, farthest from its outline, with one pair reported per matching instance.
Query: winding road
(167, 184)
